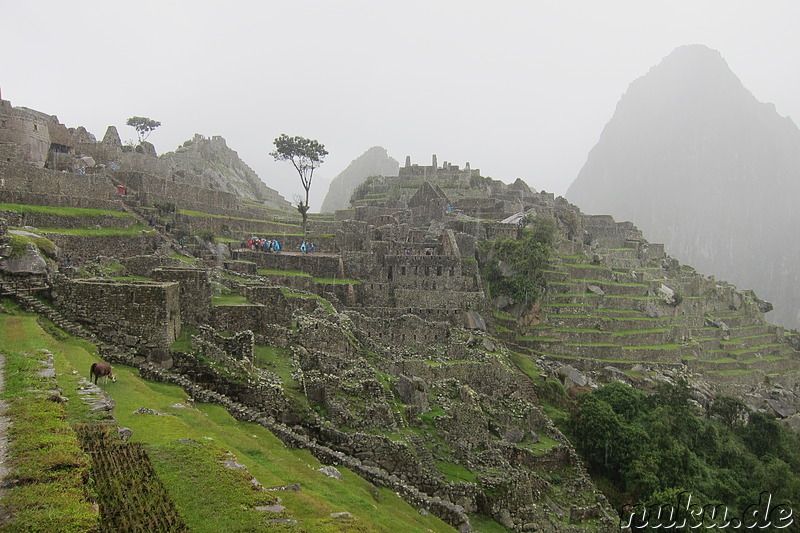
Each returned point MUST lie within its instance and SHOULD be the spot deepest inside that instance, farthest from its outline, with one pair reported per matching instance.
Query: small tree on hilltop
(305, 155)
(144, 126)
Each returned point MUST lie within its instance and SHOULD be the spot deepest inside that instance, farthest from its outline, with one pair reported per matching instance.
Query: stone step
(748, 342)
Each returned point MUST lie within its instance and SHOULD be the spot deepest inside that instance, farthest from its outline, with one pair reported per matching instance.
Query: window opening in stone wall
(438, 270)
(390, 273)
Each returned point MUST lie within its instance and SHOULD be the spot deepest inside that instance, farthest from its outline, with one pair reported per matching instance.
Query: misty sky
(518, 89)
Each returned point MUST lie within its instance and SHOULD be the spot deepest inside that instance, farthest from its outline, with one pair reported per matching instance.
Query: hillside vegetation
(185, 445)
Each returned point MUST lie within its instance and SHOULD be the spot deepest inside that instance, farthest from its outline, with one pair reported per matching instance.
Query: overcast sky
(517, 88)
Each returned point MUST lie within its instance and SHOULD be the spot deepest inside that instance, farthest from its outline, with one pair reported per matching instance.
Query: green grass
(19, 245)
(544, 445)
(526, 365)
(62, 211)
(211, 498)
(733, 372)
(209, 215)
(49, 467)
(269, 272)
(668, 346)
(585, 266)
(289, 293)
(134, 230)
(337, 281)
(574, 257)
(179, 257)
(609, 283)
(222, 300)
(627, 332)
(183, 466)
(456, 472)
(184, 341)
(590, 344)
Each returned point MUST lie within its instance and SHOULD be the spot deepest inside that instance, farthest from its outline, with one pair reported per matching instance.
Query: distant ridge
(694, 160)
(374, 162)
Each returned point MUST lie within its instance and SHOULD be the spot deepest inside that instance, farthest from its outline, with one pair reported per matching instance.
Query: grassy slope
(266, 458)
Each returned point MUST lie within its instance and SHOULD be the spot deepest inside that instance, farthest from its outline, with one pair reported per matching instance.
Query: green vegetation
(184, 449)
(184, 341)
(456, 472)
(19, 245)
(297, 273)
(62, 211)
(207, 235)
(648, 449)
(523, 261)
(50, 470)
(290, 293)
(220, 300)
(179, 257)
(269, 272)
(337, 281)
(190, 213)
(133, 230)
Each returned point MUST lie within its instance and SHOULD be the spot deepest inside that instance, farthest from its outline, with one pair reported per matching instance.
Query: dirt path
(4, 423)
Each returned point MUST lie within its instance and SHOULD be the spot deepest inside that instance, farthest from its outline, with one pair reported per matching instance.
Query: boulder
(571, 377)
(597, 290)
(474, 320)
(667, 294)
(31, 262)
(330, 472)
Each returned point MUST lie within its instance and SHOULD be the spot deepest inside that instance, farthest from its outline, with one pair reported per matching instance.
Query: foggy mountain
(695, 161)
(374, 162)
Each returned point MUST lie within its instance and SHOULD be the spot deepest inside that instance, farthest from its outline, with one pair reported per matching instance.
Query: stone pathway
(4, 423)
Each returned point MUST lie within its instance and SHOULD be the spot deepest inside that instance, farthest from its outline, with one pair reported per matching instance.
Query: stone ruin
(401, 365)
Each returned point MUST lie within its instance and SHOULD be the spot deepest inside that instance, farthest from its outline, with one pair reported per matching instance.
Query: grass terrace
(131, 231)
(184, 449)
(63, 211)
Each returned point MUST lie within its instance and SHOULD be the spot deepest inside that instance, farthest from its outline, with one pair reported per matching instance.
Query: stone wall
(195, 291)
(151, 189)
(317, 265)
(47, 220)
(239, 346)
(408, 331)
(28, 130)
(86, 249)
(234, 318)
(139, 315)
(143, 265)
(27, 184)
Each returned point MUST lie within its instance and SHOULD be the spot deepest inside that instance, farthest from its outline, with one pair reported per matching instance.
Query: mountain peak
(693, 159)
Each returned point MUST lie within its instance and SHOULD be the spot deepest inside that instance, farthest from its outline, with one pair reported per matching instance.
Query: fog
(518, 89)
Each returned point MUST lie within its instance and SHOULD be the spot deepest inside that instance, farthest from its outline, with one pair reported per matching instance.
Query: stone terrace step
(737, 321)
(749, 341)
(588, 271)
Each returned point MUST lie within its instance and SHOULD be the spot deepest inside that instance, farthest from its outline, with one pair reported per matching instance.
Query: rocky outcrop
(211, 164)
(694, 160)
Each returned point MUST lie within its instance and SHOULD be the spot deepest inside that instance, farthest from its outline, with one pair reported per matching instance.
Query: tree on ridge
(305, 155)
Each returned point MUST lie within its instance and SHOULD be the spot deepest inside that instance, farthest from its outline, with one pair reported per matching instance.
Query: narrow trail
(4, 423)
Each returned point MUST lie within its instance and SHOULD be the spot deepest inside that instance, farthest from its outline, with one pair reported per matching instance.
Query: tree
(144, 126)
(305, 155)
